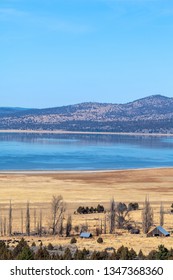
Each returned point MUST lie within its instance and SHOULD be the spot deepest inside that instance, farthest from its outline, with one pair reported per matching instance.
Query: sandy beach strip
(111, 171)
(83, 132)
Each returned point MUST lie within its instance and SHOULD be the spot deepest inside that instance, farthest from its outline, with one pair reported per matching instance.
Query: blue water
(83, 152)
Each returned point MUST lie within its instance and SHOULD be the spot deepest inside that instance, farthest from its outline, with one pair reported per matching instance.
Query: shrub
(50, 246)
(73, 240)
(100, 240)
(133, 206)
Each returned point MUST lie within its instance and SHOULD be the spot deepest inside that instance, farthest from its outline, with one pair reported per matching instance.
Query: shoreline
(83, 132)
(44, 172)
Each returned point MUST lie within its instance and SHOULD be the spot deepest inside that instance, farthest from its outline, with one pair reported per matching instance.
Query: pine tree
(26, 254)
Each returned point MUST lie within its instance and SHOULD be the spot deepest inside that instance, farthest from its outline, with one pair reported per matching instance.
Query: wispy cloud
(58, 24)
(10, 12)
(46, 22)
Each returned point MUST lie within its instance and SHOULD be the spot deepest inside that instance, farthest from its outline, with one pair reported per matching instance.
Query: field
(90, 189)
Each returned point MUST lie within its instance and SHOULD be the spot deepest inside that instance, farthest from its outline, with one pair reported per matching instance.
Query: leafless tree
(27, 219)
(61, 225)
(105, 225)
(40, 223)
(161, 214)
(35, 219)
(1, 225)
(68, 225)
(10, 220)
(147, 216)
(76, 228)
(112, 216)
(21, 220)
(57, 212)
(122, 217)
(101, 226)
(5, 226)
(84, 227)
(118, 216)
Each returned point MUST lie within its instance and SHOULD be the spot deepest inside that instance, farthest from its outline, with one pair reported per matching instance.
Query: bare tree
(112, 216)
(101, 226)
(84, 227)
(147, 216)
(122, 217)
(10, 219)
(21, 221)
(68, 225)
(40, 223)
(57, 211)
(1, 224)
(118, 216)
(27, 219)
(61, 225)
(5, 226)
(105, 225)
(161, 214)
(35, 219)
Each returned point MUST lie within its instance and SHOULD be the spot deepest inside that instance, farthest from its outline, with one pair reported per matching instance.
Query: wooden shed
(158, 231)
(85, 235)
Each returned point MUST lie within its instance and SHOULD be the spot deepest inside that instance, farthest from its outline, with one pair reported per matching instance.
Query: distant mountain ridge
(152, 114)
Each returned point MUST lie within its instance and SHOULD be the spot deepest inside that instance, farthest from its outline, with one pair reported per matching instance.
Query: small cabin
(85, 235)
(158, 231)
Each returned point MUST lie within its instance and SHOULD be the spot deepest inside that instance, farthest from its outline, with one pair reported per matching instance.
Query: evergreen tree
(132, 254)
(17, 250)
(141, 256)
(26, 254)
(42, 254)
(162, 253)
(67, 254)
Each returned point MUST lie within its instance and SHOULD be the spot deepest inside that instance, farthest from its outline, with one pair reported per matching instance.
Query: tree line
(25, 252)
(117, 216)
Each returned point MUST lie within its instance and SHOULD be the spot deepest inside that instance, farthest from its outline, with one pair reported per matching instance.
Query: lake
(29, 151)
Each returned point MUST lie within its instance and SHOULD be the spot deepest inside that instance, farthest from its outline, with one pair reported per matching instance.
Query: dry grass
(90, 189)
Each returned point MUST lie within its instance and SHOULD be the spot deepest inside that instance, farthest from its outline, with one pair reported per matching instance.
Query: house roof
(162, 230)
(85, 234)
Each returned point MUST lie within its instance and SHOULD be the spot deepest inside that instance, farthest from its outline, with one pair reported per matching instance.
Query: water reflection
(24, 151)
(153, 142)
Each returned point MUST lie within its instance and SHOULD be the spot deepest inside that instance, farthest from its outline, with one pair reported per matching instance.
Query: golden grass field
(89, 189)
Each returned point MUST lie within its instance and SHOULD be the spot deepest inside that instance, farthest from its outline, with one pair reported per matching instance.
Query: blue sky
(59, 52)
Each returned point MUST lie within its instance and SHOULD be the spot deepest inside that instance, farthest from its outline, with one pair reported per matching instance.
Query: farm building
(85, 235)
(158, 231)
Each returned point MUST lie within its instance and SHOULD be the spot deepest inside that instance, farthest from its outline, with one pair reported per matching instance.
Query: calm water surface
(83, 152)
